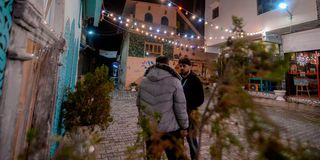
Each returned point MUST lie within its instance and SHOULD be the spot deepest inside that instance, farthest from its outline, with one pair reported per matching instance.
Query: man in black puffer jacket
(193, 91)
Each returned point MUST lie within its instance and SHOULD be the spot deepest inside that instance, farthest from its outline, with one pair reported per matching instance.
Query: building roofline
(282, 31)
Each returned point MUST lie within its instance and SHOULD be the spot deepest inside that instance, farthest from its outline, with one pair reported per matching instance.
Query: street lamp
(284, 6)
(90, 32)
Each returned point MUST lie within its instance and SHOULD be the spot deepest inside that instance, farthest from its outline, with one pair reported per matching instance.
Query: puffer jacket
(161, 92)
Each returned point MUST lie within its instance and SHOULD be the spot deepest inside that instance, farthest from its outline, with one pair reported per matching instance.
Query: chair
(300, 83)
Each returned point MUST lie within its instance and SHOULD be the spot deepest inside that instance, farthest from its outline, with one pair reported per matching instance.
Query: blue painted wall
(5, 24)
(67, 76)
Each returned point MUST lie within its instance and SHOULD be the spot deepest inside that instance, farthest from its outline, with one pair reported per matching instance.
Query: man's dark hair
(185, 61)
(162, 59)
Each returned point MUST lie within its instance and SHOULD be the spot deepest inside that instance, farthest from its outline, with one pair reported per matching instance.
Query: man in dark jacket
(161, 94)
(193, 91)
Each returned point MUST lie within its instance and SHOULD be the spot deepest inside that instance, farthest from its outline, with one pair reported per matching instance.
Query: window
(164, 21)
(264, 6)
(149, 8)
(165, 12)
(215, 13)
(148, 17)
(153, 48)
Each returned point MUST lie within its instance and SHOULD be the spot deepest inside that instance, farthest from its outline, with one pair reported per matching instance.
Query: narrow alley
(295, 125)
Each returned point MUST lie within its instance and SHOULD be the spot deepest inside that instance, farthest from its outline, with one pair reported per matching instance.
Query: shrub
(89, 104)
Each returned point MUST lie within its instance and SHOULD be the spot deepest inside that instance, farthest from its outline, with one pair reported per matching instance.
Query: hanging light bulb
(150, 28)
(143, 26)
(169, 4)
(165, 32)
(193, 17)
(172, 33)
(198, 37)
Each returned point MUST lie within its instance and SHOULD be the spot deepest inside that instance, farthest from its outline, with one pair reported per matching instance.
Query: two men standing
(165, 100)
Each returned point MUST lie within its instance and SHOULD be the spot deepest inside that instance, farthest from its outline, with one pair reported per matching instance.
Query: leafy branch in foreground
(235, 124)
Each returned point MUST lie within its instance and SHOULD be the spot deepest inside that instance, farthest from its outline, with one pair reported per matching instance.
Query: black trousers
(192, 139)
(171, 143)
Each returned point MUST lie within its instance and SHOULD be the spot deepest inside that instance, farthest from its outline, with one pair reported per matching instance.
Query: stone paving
(298, 125)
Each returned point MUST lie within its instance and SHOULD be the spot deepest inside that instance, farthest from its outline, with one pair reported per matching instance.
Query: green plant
(89, 104)
(31, 148)
(229, 102)
(78, 145)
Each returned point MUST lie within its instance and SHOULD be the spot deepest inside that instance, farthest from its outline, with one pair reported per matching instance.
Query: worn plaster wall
(67, 75)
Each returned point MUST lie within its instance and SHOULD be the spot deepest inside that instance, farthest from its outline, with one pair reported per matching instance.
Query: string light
(173, 33)
(135, 24)
(200, 19)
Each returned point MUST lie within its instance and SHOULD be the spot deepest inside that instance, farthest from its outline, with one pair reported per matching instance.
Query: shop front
(303, 76)
(303, 49)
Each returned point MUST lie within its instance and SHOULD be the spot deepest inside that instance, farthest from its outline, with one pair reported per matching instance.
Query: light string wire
(200, 19)
(172, 42)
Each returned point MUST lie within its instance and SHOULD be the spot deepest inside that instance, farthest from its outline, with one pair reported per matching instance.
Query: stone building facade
(43, 47)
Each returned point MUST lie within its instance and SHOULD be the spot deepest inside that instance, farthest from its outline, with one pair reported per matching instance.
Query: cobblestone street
(303, 126)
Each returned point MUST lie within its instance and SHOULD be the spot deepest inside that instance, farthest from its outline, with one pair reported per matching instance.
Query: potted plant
(89, 105)
(133, 86)
(280, 90)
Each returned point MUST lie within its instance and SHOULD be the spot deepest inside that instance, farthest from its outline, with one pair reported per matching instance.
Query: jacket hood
(161, 71)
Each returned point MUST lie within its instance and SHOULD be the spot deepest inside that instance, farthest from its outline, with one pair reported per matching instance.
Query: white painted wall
(302, 41)
(73, 13)
(302, 10)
